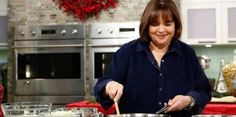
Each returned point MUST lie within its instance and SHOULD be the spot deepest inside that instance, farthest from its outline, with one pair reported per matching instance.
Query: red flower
(83, 9)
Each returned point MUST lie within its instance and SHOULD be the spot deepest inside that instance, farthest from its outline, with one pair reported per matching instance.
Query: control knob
(33, 33)
(22, 33)
(74, 32)
(63, 32)
(110, 31)
(98, 31)
(27, 82)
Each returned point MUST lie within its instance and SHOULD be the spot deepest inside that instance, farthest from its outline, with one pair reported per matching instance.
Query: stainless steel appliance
(104, 40)
(49, 63)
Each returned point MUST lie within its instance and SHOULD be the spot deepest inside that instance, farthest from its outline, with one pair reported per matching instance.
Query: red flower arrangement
(83, 9)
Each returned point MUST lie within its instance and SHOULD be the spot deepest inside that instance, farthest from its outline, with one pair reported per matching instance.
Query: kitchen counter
(220, 108)
(216, 108)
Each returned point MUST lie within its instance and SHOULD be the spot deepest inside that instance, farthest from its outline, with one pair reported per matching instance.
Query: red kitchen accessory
(220, 108)
(1, 97)
(89, 103)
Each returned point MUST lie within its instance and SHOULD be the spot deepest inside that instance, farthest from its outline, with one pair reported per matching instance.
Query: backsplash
(24, 12)
(3, 56)
(216, 53)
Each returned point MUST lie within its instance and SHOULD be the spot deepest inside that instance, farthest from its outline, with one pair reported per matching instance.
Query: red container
(1, 97)
(220, 108)
(88, 103)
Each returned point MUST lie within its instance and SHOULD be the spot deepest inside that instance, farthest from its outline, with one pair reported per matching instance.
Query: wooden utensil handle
(117, 108)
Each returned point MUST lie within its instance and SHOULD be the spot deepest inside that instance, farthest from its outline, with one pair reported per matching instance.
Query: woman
(156, 70)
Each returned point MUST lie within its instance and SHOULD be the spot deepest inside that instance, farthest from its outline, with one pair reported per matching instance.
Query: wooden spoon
(117, 108)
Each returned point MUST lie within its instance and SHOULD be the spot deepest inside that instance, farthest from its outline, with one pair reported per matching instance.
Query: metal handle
(206, 41)
(232, 41)
(163, 109)
(101, 45)
(49, 46)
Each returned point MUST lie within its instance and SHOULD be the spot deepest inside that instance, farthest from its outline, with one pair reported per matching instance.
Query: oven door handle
(104, 45)
(49, 46)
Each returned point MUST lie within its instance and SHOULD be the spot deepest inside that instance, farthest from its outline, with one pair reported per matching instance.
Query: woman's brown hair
(156, 8)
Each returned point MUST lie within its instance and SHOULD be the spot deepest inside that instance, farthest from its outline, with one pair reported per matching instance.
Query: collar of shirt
(175, 47)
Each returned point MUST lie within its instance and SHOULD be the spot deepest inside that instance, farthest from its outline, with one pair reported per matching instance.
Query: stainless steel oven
(49, 63)
(104, 40)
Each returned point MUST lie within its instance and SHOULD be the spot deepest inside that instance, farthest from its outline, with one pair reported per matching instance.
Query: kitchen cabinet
(229, 24)
(208, 22)
(201, 21)
(3, 7)
(3, 23)
(3, 31)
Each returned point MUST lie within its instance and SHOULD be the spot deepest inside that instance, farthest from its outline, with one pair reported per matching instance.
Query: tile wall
(216, 53)
(3, 56)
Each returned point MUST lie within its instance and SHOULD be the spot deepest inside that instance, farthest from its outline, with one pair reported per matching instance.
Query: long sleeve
(117, 71)
(202, 89)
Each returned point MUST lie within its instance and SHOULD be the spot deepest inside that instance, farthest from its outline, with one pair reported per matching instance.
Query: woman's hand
(114, 90)
(178, 103)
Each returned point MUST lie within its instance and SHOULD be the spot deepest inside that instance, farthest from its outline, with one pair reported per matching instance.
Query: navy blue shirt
(148, 86)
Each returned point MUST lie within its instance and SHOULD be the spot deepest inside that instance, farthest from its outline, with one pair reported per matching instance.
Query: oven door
(49, 70)
(100, 58)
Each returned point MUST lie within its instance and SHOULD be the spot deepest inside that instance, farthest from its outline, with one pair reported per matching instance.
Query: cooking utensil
(162, 109)
(117, 108)
(204, 61)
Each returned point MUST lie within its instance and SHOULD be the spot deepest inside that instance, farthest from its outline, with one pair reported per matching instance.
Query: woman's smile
(162, 36)
(162, 32)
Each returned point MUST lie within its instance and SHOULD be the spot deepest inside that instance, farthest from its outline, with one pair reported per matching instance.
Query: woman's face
(162, 32)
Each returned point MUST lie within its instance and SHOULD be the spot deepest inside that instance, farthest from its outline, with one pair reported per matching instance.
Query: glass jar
(221, 86)
(229, 71)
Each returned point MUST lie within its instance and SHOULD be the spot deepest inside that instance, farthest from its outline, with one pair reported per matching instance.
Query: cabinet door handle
(206, 41)
(232, 41)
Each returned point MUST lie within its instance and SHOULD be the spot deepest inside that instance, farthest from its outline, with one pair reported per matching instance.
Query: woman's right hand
(114, 90)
